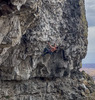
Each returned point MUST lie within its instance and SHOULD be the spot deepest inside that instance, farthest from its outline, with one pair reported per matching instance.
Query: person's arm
(55, 45)
(50, 45)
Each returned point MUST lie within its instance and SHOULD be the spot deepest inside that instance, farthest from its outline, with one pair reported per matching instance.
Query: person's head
(57, 47)
(48, 41)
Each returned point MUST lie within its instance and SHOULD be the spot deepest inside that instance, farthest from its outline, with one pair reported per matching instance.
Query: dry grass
(90, 71)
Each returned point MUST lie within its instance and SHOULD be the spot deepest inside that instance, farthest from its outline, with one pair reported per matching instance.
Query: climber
(50, 50)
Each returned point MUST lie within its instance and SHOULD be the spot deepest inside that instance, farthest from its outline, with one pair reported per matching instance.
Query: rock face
(26, 26)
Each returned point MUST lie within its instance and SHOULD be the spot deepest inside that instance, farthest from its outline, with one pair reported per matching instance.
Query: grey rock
(28, 32)
(24, 33)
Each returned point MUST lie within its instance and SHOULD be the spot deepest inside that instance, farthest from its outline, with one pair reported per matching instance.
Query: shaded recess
(6, 7)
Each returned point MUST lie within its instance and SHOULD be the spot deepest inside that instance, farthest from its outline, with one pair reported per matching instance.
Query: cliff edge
(26, 26)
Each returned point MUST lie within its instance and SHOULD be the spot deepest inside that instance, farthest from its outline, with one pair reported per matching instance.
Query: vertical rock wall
(26, 26)
(25, 33)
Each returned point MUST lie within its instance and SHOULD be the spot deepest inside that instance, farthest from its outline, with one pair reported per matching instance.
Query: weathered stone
(26, 26)
(28, 32)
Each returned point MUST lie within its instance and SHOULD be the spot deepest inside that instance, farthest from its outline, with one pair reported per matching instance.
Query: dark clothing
(64, 57)
(46, 51)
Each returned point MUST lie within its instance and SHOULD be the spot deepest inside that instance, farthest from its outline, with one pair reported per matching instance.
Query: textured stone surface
(27, 32)
(49, 89)
(26, 26)
(58, 89)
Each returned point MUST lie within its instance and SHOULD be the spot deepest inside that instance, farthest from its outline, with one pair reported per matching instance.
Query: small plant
(81, 65)
(7, 97)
